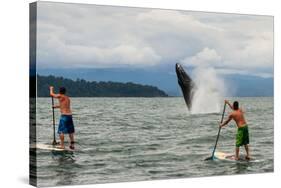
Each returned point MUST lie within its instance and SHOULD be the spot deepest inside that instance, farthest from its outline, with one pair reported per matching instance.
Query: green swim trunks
(242, 137)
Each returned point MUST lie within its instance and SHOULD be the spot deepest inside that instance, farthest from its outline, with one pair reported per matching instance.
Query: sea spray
(209, 91)
(209, 86)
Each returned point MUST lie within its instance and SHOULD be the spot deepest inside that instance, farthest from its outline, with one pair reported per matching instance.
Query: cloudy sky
(90, 36)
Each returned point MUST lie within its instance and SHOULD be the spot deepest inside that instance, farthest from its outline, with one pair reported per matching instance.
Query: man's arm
(52, 94)
(227, 121)
(228, 103)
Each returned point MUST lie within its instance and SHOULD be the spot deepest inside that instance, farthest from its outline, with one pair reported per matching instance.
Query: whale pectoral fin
(186, 84)
(180, 83)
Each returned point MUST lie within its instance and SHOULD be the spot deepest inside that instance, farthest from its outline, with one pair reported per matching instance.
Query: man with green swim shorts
(242, 137)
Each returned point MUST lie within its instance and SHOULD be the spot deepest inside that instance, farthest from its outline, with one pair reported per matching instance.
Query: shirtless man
(242, 137)
(66, 123)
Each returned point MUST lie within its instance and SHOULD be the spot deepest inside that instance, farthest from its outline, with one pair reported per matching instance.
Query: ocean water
(134, 139)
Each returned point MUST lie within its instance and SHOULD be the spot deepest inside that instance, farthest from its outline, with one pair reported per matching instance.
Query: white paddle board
(49, 147)
(228, 157)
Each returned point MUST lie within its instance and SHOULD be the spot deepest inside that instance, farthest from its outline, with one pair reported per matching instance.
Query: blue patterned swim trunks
(66, 125)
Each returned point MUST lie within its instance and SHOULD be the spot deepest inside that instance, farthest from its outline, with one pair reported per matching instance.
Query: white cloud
(206, 57)
(75, 35)
(88, 56)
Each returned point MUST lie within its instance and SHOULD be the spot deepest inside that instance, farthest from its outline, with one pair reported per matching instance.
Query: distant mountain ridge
(250, 86)
(83, 88)
(166, 80)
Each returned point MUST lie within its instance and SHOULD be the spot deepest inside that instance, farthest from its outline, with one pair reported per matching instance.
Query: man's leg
(247, 151)
(62, 140)
(236, 153)
(71, 137)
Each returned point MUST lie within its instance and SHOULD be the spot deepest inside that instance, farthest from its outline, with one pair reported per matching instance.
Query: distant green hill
(83, 88)
(165, 79)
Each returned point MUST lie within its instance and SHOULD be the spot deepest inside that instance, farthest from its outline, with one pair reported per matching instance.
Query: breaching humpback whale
(186, 85)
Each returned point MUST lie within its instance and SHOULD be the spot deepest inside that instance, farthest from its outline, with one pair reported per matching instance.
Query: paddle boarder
(66, 125)
(242, 137)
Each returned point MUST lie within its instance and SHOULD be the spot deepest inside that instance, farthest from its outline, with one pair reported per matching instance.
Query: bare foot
(248, 158)
(72, 147)
(61, 147)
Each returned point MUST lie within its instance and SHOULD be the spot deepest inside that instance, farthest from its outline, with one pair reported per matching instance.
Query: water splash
(209, 91)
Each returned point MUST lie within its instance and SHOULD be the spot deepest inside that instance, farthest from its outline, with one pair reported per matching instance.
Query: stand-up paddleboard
(49, 147)
(228, 157)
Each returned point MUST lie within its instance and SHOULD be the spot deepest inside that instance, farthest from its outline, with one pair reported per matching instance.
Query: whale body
(186, 85)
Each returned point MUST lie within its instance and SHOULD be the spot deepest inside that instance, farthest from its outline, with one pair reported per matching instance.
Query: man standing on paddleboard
(66, 125)
(242, 137)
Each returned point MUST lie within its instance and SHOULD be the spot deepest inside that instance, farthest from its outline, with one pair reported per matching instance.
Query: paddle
(54, 123)
(212, 157)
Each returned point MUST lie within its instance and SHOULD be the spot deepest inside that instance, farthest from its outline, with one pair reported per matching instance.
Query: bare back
(238, 116)
(64, 102)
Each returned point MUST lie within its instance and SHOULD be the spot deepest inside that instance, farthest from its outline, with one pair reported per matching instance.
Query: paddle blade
(209, 158)
(55, 143)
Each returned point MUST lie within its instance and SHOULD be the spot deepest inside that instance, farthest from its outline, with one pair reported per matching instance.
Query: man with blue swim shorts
(66, 125)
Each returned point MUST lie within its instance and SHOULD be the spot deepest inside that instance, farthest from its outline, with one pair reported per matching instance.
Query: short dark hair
(235, 105)
(62, 90)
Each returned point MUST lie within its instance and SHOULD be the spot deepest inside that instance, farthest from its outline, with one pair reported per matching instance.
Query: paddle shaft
(219, 131)
(54, 123)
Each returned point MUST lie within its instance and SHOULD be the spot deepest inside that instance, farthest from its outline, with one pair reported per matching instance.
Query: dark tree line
(83, 88)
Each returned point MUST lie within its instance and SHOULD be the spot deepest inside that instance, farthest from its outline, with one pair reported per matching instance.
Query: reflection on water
(67, 173)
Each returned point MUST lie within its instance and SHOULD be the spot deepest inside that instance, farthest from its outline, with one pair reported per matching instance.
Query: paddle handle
(54, 123)
(219, 131)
